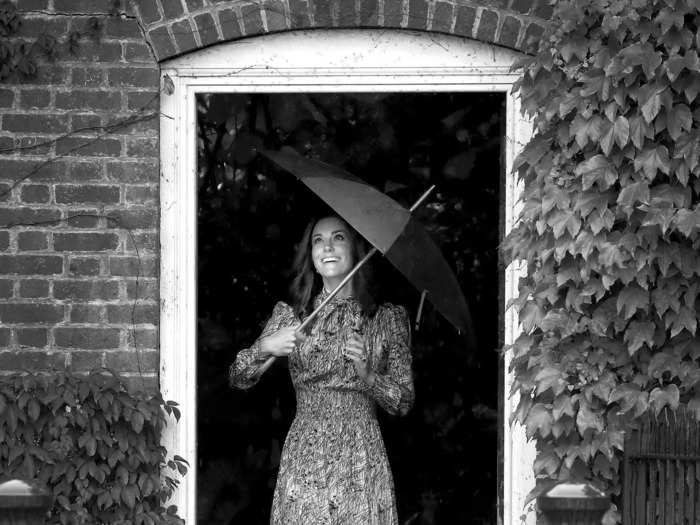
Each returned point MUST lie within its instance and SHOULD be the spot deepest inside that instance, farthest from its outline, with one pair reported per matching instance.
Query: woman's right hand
(280, 343)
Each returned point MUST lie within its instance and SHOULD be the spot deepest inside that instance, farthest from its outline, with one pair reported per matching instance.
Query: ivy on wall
(609, 231)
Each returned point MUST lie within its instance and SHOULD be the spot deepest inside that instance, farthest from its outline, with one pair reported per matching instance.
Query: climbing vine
(609, 231)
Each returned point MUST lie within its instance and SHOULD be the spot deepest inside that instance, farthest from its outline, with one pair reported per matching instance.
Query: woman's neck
(345, 292)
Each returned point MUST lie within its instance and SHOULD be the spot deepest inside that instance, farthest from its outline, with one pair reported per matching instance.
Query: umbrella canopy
(389, 227)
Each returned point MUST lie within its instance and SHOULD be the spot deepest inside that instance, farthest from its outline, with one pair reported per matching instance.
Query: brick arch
(175, 27)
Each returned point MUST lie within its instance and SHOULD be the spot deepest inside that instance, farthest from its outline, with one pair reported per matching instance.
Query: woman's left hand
(357, 353)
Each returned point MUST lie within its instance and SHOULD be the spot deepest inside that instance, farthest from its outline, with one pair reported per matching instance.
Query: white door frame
(319, 61)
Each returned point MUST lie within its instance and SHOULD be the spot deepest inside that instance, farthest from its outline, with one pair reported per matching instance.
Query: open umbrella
(389, 227)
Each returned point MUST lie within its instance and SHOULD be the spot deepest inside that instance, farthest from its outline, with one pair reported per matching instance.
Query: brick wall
(79, 159)
(79, 199)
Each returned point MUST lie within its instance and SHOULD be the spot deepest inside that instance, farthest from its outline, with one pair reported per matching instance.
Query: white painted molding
(319, 61)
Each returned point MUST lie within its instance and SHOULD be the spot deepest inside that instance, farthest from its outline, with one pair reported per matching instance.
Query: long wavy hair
(307, 283)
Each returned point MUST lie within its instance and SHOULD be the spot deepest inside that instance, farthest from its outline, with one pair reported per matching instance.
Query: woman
(334, 469)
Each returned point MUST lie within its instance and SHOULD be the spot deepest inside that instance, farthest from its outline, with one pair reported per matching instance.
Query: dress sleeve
(243, 371)
(393, 388)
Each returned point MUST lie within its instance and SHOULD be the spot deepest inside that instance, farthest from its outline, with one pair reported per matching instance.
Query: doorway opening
(445, 454)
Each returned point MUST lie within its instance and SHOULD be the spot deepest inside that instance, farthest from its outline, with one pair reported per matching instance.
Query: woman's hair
(307, 283)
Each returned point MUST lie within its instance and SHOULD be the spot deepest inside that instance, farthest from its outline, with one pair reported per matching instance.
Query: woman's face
(332, 249)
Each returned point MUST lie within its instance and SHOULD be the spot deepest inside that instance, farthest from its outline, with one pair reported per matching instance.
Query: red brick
(81, 219)
(146, 124)
(522, 6)
(172, 8)
(144, 289)
(82, 361)
(252, 20)
(544, 10)
(31, 337)
(531, 40)
(33, 170)
(92, 100)
(31, 264)
(83, 6)
(87, 193)
(87, 313)
(465, 21)
(498, 4)
(148, 9)
(50, 74)
(141, 100)
(162, 43)
(35, 123)
(89, 266)
(4, 240)
(133, 77)
(276, 16)
(393, 14)
(487, 26)
(7, 98)
(139, 313)
(184, 35)
(133, 218)
(145, 338)
(4, 342)
(346, 15)
(34, 98)
(35, 193)
(89, 289)
(7, 146)
(130, 362)
(88, 338)
(32, 241)
(6, 288)
(88, 77)
(85, 242)
(194, 4)
(369, 12)
(510, 31)
(34, 26)
(33, 5)
(206, 28)
(230, 27)
(299, 14)
(35, 361)
(120, 28)
(85, 123)
(88, 147)
(138, 52)
(418, 14)
(142, 148)
(146, 242)
(442, 18)
(141, 194)
(26, 216)
(35, 145)
(85, 171)
(30, 313)
(132, 171)
(99, 51)
(120, 266)
(5, 192)
(33, 288)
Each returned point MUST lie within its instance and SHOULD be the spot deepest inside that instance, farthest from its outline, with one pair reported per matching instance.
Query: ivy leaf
(631, 299)
(662, 397)
(636, 192)
(3, 404)
(638, 131)
(678, 119)
(650, 101)
(550, 377)
(137, 421)
(639, 333)
(621, 131)
(539, 420)
(684, 319)
(653, 159)
(688, 221)
(596, 169)
(586, 129)
(563, 405)
(588, 419)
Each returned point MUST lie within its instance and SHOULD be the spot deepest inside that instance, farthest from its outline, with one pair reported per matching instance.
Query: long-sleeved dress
(334, 469)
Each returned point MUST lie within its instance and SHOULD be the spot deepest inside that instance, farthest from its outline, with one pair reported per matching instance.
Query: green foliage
(609, 230)
(94, 443)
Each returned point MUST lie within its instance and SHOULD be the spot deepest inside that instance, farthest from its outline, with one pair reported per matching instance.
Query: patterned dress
(334, 469)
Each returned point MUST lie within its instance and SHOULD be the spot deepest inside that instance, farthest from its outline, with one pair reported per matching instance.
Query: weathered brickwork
(79, 194)
(175, 27)
(79, 199)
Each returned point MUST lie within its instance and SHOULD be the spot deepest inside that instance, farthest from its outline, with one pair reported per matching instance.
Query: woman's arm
(243, 372)
(393, 388)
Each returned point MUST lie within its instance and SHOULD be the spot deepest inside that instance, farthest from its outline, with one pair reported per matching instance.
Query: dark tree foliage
(444, 453)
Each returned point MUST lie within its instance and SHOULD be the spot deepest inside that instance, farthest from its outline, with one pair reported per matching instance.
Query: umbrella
(389, 227)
